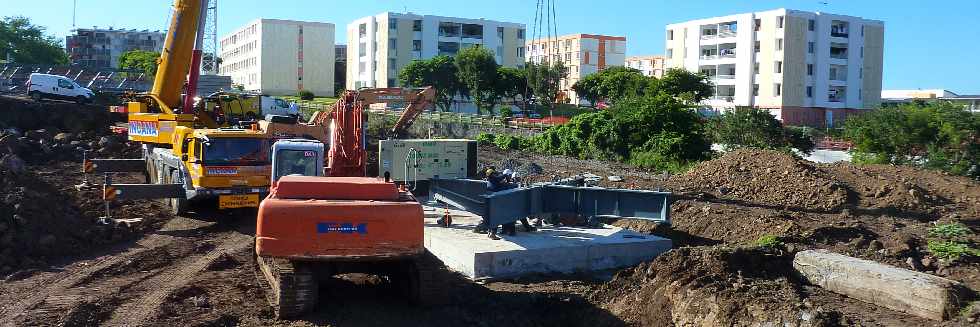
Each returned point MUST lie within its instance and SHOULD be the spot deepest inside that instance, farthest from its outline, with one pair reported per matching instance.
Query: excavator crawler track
(291, 286)
(426, 286)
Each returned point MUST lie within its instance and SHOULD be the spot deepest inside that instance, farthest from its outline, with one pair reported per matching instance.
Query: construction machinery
(315, 223)
(187, 156)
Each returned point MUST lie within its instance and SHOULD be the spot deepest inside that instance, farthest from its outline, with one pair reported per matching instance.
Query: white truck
(40, 86)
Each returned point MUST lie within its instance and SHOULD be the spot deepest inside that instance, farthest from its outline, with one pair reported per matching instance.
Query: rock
(13, 163)
(38, 135)
(898, 289)
(615, 178)
(927, 262)
(875, 245)
(724, 190)
(47, 240)
(913, 264)
(64, 137)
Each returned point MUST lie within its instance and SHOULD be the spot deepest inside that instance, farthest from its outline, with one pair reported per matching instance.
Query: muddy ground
(197, 270)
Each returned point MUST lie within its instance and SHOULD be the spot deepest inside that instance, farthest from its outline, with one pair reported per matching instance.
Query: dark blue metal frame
(510, 205)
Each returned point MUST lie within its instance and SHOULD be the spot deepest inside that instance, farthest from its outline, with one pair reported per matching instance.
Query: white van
(41, 86)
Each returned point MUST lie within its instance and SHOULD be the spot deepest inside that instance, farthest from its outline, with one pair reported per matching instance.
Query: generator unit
(419, 160)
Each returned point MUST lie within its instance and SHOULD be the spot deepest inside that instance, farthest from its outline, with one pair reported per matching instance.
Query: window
(449, 29)
(416, 45)
(779, 44)
(391, 82)
(520, 52)
(861, 72)
(778, 67)
(362, 49)
(777, 90)
(520, 34)
(417, 25)
(500, 32)
(859, 94)
(670, 53)
(838, 50)
(685, 52)
(862, 30)
(809, 91)
(392, 46)
(392, 23)
(392, 64)
(755, 68)
(810, 25)
(779, 21)
(809, 69)
(755, 90)
(670, 35)
(362, 30)
(448, 48)
(758, 46)
(65, 84)
(472, 31)
(809, 47)
(862, 52)
(757, 24)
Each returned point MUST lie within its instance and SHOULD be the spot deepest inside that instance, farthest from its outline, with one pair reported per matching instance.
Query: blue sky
(928, 44)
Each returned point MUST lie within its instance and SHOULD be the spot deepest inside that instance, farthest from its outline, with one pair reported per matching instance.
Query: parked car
(40, 86)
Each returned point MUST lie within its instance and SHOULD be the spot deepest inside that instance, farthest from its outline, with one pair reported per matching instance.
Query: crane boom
(176, 57)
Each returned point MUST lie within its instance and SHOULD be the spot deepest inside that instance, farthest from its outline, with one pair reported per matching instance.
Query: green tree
(477, 69)
(544, 80)
(26, 43)
(748, 127)
(438, 72)
(688, 86)
(937, 135)
(512, 82)
(141, 60)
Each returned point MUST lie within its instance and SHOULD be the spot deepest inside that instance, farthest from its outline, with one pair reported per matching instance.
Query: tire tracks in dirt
(143, 308)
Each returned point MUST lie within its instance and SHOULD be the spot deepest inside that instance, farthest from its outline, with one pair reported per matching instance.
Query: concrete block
(548, 250)
(898, 289)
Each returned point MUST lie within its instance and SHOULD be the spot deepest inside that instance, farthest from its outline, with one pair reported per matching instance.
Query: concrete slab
(548, 250)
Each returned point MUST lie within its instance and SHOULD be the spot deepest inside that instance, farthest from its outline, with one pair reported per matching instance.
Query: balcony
(837, 94)
(839, 28)
(726, 52)
(722, 30)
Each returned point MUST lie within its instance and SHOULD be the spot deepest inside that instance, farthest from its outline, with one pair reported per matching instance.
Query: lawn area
(316, 100)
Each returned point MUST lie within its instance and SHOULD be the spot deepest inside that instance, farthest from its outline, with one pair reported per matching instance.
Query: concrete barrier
(898, 289)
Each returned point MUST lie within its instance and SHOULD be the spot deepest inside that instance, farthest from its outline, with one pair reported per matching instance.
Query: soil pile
(29, 115)
(764, 178)
(710, 286)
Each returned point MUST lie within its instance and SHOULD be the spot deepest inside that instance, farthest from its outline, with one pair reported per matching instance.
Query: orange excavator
(317, 224)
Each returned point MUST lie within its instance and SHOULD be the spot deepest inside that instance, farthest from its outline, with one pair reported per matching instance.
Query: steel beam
(513, 204)
(144, 191)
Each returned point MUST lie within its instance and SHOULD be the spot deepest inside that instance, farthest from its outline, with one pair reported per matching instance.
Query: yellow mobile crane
(186, 157)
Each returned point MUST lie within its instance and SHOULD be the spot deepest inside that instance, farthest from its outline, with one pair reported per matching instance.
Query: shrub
(485, 139)
(748, 127)
(950, 250)
(769, 241)
(306, 95)
(506, 111)
(506, 142)
(949, 231)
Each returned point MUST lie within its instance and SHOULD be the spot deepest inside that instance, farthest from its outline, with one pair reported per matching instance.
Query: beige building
(280, 57)
(808, 68)
(583, 54)
(650, 65)
(379, 46)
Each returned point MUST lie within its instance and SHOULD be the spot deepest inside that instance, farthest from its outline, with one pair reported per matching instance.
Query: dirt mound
(710, 286)
(763, 178)
(907, 191)
(29, 115)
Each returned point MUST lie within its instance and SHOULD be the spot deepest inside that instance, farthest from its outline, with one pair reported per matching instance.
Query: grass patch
(950, 250)
(949, 231)
(769, 241)
(316, 100)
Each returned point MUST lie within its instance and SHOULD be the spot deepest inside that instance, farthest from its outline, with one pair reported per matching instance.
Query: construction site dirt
(61, 266)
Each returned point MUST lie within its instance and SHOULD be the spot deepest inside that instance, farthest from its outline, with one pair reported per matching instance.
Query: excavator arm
(416, 106)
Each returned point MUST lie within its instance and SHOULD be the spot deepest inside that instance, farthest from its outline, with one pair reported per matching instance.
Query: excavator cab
(297, 157)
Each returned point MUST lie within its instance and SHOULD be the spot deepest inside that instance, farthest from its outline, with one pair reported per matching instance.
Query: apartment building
(280, 57)
(380, 45)
(807, 68)
(653, 66)
(582, 54)
(101, 48)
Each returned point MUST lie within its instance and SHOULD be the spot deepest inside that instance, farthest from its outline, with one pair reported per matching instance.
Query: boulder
(64, 137)
(13, 163)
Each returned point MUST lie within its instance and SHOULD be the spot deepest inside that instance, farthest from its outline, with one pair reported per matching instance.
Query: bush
(506, 111)
(949, 231)
(507, 142)
(938, 136)
(748, 127)
(769, 241)
(950, 250)
(306, 95)
(485, 139)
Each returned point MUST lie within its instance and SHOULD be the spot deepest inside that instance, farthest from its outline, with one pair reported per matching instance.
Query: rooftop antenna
(74, 7)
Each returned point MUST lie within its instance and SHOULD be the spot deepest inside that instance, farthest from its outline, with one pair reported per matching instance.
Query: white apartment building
(379, 46)
(582, 54)
(653, 66)
(280, 57)
(808, 68)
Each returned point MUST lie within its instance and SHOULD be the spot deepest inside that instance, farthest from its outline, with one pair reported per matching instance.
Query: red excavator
(312, 227)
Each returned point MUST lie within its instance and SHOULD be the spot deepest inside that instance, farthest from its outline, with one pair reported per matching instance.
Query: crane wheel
(178, 205)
